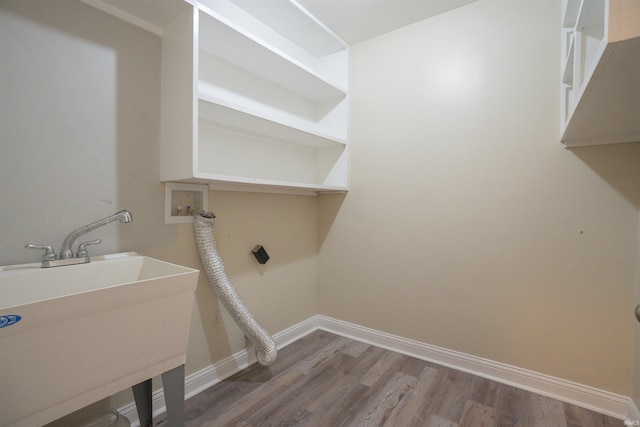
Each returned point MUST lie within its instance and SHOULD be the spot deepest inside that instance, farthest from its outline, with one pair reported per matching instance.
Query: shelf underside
(609, 108)
(295, 24)
(151, 15)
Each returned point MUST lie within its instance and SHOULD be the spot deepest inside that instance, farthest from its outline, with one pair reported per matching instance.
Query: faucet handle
(82, 248)
(49, 255)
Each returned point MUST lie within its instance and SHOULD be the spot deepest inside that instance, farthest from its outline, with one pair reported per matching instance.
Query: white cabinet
(254, 94)
(600, 71)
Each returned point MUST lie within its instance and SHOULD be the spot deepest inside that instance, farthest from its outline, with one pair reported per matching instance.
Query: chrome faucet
(82, 256)
(66, 252)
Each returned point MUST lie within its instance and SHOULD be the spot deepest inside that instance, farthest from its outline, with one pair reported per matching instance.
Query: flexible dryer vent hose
(265, 346)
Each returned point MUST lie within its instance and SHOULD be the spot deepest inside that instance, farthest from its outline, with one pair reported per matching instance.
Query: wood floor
(330, 381)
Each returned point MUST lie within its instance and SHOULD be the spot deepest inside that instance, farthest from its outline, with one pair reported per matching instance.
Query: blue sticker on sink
(8, 320)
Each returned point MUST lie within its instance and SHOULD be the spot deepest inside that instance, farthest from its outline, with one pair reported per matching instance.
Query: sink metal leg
(173, 384)
(142, 396)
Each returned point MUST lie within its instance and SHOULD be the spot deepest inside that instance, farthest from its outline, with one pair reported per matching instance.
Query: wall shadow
(617, 164)
(330, 204)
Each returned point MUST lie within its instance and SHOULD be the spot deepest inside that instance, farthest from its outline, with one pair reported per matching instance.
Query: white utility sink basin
(72, 335)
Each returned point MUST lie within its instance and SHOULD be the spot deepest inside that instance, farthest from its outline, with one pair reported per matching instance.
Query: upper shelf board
(609, 109)
(570, 10)
(295, 23)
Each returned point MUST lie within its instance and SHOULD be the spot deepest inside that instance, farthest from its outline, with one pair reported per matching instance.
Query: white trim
(125, 16)
(601, 401)
(567, 391)
(634, 414)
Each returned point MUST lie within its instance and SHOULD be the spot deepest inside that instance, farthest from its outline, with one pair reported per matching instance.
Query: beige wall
(468, 225)
(280, 293)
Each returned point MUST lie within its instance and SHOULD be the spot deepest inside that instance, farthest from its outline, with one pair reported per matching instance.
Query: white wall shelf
(222, 112)
(223, 84)
(246, 51)
(150, 15)
(600, 67)
(296, 24)
(570, 10)
(254, 97)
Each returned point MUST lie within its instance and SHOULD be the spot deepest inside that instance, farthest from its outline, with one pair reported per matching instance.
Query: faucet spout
(123, 216)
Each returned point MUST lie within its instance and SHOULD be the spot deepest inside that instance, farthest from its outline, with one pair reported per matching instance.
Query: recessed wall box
(261, 254)
(182, 201)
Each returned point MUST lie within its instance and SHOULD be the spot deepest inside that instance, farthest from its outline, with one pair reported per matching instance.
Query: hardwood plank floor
(326, 380)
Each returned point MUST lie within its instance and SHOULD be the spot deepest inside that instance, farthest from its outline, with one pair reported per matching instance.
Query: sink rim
(40, 293)
(38, 265)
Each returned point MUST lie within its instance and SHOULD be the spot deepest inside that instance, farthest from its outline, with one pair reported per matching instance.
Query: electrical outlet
(260, 253)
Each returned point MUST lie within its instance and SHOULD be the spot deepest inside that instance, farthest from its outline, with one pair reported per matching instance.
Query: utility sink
(72, 335)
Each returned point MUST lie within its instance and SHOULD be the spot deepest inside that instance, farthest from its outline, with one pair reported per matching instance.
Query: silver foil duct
(264, 344)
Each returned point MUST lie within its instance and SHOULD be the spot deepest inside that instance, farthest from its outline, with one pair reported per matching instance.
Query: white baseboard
(605, 402)
(634, 414)
(587, 397)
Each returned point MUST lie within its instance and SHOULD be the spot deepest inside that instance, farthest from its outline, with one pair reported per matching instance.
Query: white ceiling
(352, 20)
(358, 20)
